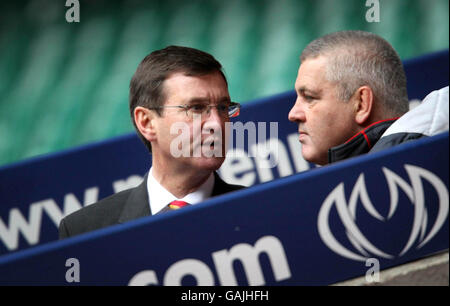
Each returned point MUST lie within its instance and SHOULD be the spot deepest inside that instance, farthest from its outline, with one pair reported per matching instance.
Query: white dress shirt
(159, 196)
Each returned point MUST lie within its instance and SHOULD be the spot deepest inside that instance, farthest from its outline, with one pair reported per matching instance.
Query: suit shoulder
(221, 187)
(235, 187)
(112, 202)
(98, 215)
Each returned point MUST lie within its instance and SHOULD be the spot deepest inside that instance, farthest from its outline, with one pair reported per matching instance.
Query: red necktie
(177, 205)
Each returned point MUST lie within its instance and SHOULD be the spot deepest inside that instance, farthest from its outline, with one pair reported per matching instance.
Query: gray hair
(358, 58)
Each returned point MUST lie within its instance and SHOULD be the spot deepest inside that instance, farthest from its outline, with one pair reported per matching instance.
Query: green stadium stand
(66, 84)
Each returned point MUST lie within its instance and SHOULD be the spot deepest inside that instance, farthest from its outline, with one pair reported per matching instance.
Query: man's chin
(208, 163)
(312, 157)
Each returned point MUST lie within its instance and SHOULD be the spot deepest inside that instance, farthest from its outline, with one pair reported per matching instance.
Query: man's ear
(364, 104)
(145, 122)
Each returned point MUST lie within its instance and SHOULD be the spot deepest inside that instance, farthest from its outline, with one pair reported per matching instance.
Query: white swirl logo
(347, 213)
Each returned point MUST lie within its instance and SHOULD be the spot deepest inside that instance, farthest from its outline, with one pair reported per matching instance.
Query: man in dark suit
(179, 104)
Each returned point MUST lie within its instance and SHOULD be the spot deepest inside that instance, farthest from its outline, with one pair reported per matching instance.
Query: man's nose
(215, 115)
(296, 113)
(214, 119)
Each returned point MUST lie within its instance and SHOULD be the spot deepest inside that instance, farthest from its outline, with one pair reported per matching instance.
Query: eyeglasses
(230, 110)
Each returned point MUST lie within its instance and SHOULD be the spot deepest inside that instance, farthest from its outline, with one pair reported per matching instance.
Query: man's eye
(222, 107)
(308, 98)
(198, 108)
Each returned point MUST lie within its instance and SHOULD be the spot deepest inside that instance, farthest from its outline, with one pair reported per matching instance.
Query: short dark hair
(146, 86)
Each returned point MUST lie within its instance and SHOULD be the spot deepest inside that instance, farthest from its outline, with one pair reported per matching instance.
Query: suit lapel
(220, 187)
(137, 204)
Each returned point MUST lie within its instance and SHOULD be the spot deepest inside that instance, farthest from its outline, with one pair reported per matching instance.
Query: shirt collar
(159, 196)
(361, 142)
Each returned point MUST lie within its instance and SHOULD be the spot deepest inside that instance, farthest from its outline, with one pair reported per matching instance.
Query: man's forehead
(207, 100)
(181, 79)
(192, 89)
(311, 74)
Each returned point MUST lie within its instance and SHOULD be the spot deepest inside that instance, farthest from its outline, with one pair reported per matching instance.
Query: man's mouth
(302, 135)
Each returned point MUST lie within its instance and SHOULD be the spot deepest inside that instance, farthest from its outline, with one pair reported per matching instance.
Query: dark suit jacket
(121, 207)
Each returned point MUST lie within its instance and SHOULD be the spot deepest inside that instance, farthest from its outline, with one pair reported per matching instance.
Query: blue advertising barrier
(312, 228)
(37, 193)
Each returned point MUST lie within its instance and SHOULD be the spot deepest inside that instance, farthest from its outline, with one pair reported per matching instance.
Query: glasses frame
(231, 113)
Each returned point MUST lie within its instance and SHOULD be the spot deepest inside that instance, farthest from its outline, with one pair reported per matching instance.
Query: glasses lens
(203, 111)
(197, 110)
